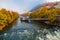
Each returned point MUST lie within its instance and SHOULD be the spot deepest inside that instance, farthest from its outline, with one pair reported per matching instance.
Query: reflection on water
(30, 31)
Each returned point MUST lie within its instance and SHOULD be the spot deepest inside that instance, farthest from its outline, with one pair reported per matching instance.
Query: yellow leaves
(3, 18)
(52, 17)
(6, 16)
(45, 12)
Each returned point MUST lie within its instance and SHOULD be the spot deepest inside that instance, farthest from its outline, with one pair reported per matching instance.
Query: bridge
(45, 19)
(41, 19)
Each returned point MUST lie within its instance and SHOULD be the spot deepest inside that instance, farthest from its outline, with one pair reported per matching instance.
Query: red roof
(51, 4)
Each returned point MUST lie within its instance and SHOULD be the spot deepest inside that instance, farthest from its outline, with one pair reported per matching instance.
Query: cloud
(19, 5)
(51, 0)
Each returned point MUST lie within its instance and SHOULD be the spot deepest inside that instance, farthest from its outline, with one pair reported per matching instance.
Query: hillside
(50, 4)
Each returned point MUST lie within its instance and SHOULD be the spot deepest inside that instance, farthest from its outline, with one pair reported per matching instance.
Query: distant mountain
(50, 4)
(36, 7)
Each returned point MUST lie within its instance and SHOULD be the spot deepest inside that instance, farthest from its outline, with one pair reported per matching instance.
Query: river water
(30, 31)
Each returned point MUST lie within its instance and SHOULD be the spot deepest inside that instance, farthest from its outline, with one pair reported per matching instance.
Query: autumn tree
(45, 12)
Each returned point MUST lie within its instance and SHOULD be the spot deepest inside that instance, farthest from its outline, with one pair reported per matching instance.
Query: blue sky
(21, 5)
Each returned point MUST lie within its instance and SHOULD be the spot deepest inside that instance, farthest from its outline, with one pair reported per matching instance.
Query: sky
(21, 6)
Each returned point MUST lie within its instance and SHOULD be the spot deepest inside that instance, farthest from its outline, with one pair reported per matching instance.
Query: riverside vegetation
(7, 17)
(45, 12)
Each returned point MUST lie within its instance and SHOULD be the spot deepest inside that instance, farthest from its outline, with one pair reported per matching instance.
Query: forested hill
(55, 4)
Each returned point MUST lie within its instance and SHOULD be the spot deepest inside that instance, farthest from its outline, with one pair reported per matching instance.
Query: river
(30, 31)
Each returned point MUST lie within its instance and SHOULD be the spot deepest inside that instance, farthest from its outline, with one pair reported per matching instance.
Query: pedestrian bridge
(41, 19)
